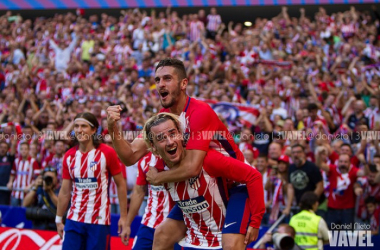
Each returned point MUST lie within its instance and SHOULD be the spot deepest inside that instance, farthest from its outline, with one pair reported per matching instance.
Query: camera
(48, 180)
(283, 241)
(39, 214)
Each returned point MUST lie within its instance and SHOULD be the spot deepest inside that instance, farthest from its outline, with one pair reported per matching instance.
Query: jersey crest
(93, 166)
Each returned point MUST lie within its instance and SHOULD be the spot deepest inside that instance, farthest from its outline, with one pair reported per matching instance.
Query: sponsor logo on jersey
(194, 205)
(194, 182)
(86, 183)
(93, 166)
(157, 188)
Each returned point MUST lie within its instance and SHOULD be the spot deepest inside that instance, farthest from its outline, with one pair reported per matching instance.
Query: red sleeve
(203, 125)
(123, 169)
(219, 165)
(112, 161)
(65, 168)
(141, 176)
(36, 168)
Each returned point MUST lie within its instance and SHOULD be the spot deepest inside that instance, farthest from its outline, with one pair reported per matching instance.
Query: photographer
(283, 230)
(42, 199)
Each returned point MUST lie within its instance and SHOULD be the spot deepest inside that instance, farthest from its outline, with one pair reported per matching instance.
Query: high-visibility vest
(306, 224)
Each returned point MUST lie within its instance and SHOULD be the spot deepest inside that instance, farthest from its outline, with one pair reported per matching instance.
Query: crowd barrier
(96, 4)
(16, 233)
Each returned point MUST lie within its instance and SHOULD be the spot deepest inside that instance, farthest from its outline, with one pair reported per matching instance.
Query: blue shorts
(237, 216)
(144, 239)
(83, 236)
(238, 212)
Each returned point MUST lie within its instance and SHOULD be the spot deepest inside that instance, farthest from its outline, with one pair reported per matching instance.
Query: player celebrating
(198, 117)
(157, 209)
(201, 198)
(87, 169)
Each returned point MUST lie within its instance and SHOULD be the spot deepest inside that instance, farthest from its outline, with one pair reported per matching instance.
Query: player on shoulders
(201, 199)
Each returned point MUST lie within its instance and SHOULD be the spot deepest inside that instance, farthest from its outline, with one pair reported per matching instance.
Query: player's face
(168, 86)
(168, 142)
(83, 131)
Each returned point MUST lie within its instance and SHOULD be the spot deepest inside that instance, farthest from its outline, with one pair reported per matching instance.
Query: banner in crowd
(14, 238)
(231, 111)
(73, 4)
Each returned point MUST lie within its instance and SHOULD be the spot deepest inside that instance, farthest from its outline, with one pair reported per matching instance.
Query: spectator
(55, 160)
(23, 173)
(366, 187)
(282, 229)
(342, 177)
(42, 200)
(374, 213)
(7, 160)
(62, 53)
(303, 176)
(213, 23)
(311, 229)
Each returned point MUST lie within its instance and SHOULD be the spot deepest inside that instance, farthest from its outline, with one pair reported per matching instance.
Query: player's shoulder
(200, 107)
(105, 149)
(71, 152)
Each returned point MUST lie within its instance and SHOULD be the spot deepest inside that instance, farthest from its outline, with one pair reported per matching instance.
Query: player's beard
(174, 97)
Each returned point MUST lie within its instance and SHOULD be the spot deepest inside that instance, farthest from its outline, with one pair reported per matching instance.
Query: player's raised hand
(124, 231)
(252, 234)
(113, 115)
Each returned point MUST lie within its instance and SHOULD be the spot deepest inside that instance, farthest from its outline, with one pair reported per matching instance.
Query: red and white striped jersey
(113, 188)
(213, 22)
(90, 173)
(24, 172)
(203, 208)
(196, 29)
(159, 202)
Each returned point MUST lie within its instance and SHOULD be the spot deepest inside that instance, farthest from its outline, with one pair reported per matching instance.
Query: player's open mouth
(164, 94)
(172, 151)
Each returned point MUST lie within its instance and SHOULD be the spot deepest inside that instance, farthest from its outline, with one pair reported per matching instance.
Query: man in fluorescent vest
(311, 229)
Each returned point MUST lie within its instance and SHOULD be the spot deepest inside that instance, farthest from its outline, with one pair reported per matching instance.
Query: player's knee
(162, 239)
(233, 242)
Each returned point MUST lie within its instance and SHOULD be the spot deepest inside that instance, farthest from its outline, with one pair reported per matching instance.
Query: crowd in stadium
(314, 74)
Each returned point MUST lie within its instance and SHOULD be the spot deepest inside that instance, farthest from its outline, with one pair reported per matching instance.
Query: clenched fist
(113, 115)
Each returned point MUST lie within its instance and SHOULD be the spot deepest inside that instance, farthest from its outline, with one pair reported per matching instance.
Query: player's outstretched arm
(63, 201)
(129, 153)
(218, 165)
(189, 167)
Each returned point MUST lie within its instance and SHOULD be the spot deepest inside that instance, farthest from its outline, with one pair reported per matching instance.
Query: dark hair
(372, 168)
(298, 145)
(312, 106)
(175, 63)
(261, 155)
(96, 140)
(370, 199)
(308, 200)
(376, 156)
(346, 144)
(288, 229)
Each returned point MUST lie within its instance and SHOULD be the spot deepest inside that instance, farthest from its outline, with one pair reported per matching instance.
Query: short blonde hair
(157, 120)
